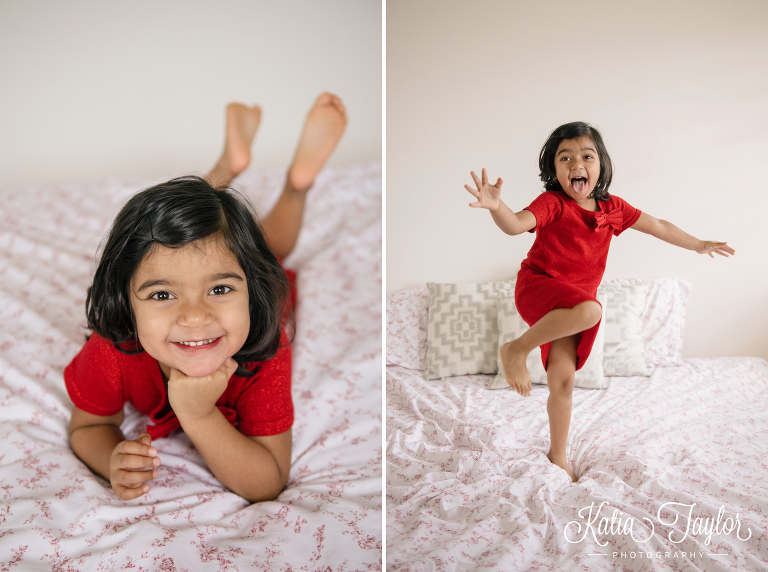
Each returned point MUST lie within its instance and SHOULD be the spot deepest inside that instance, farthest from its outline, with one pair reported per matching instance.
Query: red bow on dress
(613, 219)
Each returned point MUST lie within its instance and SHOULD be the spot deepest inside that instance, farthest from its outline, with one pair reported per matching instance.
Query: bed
(55, 514)
(672, 464)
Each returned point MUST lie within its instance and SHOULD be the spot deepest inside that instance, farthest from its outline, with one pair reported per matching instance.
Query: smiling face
(577, 166)
(191, 306)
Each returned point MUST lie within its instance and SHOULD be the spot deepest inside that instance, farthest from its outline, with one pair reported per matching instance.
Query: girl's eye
(162, 296)
(565, 158)
(220, 290)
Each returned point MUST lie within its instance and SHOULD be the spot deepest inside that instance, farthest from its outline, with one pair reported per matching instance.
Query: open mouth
(198, 344)
(578, 184)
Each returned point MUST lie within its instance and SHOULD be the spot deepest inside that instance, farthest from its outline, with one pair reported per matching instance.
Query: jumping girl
(186, 308)
(556, 286)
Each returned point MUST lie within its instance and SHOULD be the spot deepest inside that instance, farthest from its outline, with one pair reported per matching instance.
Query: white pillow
(512, 326)
(663, 318)
(462, 332)
(407, 328)
(624, 349)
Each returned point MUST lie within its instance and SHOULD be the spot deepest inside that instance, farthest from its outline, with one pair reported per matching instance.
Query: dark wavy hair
(573, 131)
(174, 214)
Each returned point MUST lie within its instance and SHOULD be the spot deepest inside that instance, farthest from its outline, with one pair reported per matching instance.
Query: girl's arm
(100, 444)
(489, 197)
(256, 468)
(668, 232)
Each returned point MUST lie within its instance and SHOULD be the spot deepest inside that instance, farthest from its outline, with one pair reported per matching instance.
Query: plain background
(679, 91)
(90, 88)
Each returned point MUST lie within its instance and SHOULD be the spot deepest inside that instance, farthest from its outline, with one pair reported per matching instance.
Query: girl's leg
(323, 127)
(561, 374)
(555, 325)
(322, 130)
(241, 125)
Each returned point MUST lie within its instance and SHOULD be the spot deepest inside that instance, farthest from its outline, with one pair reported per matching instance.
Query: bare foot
(323, 128)
(563, 464)
(241, 126)
(515, 370)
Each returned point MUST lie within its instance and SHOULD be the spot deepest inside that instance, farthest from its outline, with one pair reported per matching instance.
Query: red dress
(567, 260)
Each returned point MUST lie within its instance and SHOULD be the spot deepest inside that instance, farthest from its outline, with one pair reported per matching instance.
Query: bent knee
(560, 382)
(591, 312)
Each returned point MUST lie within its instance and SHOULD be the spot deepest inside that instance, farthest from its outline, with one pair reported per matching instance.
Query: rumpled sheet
(57, 515)
(469, 486)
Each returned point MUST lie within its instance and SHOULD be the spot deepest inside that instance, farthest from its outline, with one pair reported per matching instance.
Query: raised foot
(562, 463)
(241, 126)
(515, 370)
(322, 130)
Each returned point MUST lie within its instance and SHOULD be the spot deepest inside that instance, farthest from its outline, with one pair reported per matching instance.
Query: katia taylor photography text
(679, 516)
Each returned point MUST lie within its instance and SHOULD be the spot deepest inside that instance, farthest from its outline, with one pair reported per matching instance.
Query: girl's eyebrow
(566, 150)
(212, 278)
(153, 283)
(225, 276)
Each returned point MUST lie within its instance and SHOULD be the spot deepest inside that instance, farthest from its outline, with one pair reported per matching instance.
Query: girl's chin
(196, 368)
(199, 371)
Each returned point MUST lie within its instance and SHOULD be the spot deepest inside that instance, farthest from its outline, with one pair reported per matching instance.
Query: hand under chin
(196, 396)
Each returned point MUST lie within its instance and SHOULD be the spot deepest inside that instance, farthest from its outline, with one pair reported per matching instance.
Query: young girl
(556, 287)
(186, 308)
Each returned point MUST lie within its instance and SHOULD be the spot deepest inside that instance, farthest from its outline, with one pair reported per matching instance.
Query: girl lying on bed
(556, 287)
(187, 307)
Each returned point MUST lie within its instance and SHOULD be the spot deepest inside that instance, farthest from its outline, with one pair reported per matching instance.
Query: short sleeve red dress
(567, 260)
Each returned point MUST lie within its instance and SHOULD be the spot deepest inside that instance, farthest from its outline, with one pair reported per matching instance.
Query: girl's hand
(128, 467)
(195, 397)
(721, 248)
(488, 196)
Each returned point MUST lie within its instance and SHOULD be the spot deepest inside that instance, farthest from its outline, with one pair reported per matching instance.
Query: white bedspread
(469, 486)
(56, 515)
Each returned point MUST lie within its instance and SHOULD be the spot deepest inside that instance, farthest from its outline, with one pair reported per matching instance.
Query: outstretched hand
(710, 247)
(488, 196)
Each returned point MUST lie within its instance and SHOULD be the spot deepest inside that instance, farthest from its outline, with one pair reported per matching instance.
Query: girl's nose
(193, 314)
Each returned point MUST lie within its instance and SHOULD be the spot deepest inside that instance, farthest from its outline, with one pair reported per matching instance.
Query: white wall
(91, 88)
(679, 90)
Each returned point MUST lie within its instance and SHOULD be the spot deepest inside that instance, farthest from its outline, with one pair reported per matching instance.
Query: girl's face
(191, 306)
(577, 166)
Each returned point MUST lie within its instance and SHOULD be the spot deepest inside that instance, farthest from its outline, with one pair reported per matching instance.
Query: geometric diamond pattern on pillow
(462, 330)
(624, 350)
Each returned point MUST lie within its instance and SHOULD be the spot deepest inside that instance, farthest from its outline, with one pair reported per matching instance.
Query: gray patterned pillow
(462, 333)
(624, 351)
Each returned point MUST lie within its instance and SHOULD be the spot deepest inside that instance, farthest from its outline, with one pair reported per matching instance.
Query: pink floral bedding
(56, 515)
(673, 473)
